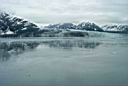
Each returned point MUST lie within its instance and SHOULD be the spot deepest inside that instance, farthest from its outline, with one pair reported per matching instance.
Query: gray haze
(59, 11)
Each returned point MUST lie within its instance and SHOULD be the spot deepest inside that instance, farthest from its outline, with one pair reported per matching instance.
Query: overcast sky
(59, 11)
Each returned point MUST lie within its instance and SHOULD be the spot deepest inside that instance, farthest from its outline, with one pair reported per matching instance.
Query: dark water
(93, 61)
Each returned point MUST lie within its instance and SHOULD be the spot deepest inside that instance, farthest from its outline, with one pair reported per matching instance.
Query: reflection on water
(14, 48)
(69, 44)
(8, 49)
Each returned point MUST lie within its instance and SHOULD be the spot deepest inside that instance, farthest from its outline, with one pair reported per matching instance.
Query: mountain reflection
(9, 49)
(69, 44)
(14, 48)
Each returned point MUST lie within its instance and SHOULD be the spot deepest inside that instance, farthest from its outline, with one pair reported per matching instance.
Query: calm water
(94, 61)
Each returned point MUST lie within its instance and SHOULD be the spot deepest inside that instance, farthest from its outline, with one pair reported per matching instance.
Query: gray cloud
(57, 11)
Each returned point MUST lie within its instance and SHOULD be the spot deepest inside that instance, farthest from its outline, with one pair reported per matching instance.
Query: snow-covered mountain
(89, 26)
(15, 26)
(82, 26)
(115, 28)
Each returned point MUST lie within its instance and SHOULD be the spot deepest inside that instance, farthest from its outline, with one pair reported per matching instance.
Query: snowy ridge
(88, 26)
(16, 26)
(81, 26)
(115, 28)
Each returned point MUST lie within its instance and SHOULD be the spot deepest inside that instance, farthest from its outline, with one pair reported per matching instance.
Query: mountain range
(88, 26)
(18, 27)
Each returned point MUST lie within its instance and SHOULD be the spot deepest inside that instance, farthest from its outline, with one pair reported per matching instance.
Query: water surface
(93, 61)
